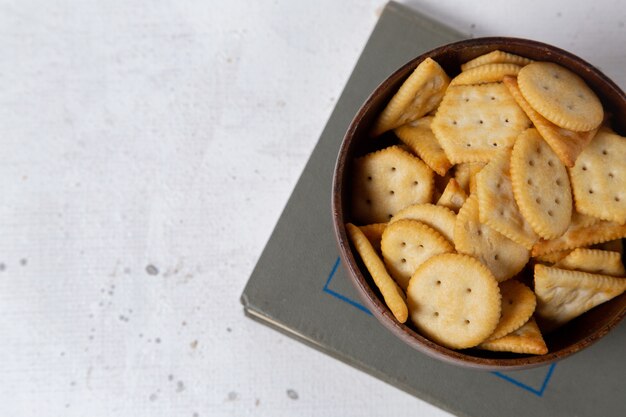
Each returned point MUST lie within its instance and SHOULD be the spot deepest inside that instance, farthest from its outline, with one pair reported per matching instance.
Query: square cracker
(517, 306)
(500, 254)
(527, 339)
(567, 144)
(578, 235)
(419, 137)
(594, 261)
(599, 178)
(418, 95)
(474, 122)
(386, 181)
(563, 295)
(498, 208)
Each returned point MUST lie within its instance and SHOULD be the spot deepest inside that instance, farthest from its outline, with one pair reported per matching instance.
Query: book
(300, 288)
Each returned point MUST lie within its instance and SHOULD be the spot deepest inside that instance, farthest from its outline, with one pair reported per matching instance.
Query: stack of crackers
(498, 216)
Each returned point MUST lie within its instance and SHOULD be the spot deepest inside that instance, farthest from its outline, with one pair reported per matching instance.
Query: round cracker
(418, 95)
(560, 96)
(540, 185)
(406, 244)
(454, 300)
(488, 73)
(518, 305)
(495, 57)
(440, 218)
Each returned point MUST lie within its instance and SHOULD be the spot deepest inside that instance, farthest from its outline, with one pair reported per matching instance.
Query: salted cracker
(453, 197)
(374, 233)
(386, 181)
(518, 305)
(495, 57)
(488, 73)
(406, 244)
(581, 235)
(563, 295)
(552, 257)
(526, 340)
(391, 292)
(419, 137)
(439, 218)
(418, 95)
(567, 144)
(498, 208)
(540, 185)
(599, 177)
(474, 122)
(473, 315)
(594, 261)
(501, 255)
(560, 96)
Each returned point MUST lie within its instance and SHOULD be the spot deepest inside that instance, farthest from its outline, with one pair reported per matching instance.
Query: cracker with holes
(578, 235)
(599, 178)
(474, 122)
(418, 95)
(391, 292)
(407, 244)
(386, 181)
(563, 295)
(453, 196)
(483, 74)
(594, 261)
(496, 57)
(374, 233)
(419, 137)
(439, 218)
(560, 96)
(518, 304)
(500, 254)
(473, 315)
(540, 185)
(567, 144)
(527, 339)
(498, 208)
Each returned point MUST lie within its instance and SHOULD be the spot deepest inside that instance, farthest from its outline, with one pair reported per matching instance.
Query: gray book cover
(299, 286)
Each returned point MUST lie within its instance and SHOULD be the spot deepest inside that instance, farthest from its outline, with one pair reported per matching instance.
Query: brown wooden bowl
(571, 338)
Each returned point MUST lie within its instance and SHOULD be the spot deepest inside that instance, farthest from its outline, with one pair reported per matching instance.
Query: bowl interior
(574, 336)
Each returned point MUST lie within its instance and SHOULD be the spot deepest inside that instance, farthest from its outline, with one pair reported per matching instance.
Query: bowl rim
(371, 301)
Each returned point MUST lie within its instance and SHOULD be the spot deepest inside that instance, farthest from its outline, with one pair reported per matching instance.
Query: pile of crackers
(498, 216)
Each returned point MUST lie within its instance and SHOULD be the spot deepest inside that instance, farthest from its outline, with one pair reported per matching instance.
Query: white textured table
(148, 149)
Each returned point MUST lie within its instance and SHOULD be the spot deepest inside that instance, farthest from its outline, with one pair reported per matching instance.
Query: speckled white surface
(148, 150)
